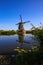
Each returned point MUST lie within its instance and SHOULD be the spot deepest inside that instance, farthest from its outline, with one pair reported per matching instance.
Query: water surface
(8, 43)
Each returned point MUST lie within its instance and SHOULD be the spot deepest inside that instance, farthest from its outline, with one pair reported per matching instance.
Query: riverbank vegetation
(38, 32)
(12, 32)
(8, 32)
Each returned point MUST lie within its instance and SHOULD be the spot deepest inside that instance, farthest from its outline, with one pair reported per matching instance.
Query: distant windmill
(41, 25)
(20, 26)
(33, 27)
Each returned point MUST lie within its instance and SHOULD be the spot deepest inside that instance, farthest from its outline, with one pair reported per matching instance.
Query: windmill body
(21, 29)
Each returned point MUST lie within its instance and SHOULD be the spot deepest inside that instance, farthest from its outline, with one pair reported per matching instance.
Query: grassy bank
(9, 32)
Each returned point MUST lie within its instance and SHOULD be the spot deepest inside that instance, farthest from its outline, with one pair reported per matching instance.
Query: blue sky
(29, 9)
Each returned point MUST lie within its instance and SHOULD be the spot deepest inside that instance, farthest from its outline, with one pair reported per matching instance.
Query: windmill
(21, 29)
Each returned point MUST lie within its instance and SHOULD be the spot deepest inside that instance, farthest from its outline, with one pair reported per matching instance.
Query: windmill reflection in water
(21, 42)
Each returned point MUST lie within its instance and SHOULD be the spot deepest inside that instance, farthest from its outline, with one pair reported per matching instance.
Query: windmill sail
(20, 18)
(26, 22)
